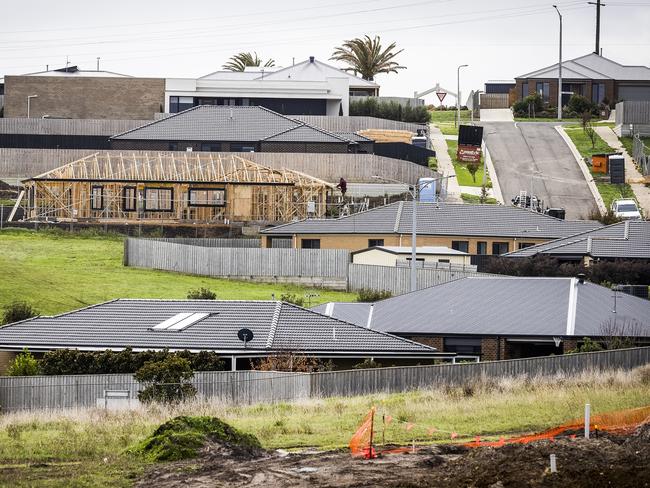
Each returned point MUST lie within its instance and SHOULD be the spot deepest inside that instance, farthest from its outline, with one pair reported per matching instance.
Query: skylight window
(181, 321)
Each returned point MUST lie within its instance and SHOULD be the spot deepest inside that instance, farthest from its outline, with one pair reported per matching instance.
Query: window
(159, 199)
(524, 89)
(419, 262)
(242, 147)
(481, 247)
(129, 199)
(462, 246)
(463, 345)
(207, 197)
(544, 89)
(173, 146)
(310, 243)
(597, 92)
(499, 248)
(97, 198)
(211, 146)
(178, 104)
(443, 260)
(524, 245)
(375, 242)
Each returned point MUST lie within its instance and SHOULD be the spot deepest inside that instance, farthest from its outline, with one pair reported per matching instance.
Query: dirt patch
(598, 462)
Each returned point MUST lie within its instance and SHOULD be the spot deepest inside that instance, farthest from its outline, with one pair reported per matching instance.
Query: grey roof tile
(275, 325)
(443, 219)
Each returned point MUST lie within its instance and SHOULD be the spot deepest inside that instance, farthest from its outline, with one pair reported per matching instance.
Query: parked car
(626, 209)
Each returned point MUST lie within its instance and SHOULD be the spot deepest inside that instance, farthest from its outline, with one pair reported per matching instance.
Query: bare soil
(605, 461)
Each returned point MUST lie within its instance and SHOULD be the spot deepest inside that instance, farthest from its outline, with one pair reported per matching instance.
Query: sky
(498, 39)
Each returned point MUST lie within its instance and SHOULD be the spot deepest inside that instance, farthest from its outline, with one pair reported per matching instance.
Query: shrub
(367, 363)
(18, 311)
(579, 105)
(391, 110)
(201, 294)
(368, 295)
(24, 365)
(182, 437)
(291, 298)
(533, 102)
(587, 345)
(166, 381)
(294, 362)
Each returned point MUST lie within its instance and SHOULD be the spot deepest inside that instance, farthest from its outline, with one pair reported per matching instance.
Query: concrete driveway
(496, 115)
(533, 154)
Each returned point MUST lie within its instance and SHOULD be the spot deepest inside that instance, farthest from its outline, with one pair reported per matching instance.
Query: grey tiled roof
(501, 306)
(227, 123)
(443, 219)
(353, 136)
(630, 239)
(275, 325)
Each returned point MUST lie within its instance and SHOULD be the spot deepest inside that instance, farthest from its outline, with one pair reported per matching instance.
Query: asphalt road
(533, 154)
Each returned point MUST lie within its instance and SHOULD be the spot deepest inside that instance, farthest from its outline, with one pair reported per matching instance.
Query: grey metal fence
(641, 154)
(236, 262)
(249, 387)
(367, 381)
(73, 127)
(397, 280)
(73, 391)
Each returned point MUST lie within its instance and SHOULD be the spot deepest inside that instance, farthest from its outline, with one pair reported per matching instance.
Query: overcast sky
(499, 39)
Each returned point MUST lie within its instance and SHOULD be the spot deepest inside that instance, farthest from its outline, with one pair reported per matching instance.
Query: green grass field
(89, 447)
(474, 199)
(444, 120)
(58, 272)
(463, 176)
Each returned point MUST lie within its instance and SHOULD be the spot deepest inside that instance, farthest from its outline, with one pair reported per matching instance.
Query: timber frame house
(172, 188)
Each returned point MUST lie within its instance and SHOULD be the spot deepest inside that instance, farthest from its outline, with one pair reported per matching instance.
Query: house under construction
(172, 188)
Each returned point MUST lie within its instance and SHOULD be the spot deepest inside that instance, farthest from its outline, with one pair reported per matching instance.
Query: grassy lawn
(628, 143)
(611, 192)
(88, 447)
(469, 198)
(57, 272)
(463, 176)
(444, 119)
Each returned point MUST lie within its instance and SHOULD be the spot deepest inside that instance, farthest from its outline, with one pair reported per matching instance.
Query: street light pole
(413, 191)
(559, 81)
(458, 93)
(29, 101)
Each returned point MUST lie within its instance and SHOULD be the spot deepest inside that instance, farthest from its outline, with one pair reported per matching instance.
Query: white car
(626, 209)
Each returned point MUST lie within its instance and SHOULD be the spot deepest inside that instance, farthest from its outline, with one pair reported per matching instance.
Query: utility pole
(559, 67)
(598, 4)
(458, 94)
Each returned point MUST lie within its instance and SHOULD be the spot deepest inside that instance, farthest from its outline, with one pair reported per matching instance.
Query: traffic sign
(441, 95)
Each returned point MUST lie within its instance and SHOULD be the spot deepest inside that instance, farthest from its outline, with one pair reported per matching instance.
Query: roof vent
(180, 321)
(311, 59)
(581, 278)
(231, 113)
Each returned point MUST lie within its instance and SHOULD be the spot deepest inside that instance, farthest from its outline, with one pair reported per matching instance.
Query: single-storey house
(217, 128)
(272, 327)
(310, 87)
(473, 229)
(628, 240)
(429, 256)
(592, 76)
(504, 317)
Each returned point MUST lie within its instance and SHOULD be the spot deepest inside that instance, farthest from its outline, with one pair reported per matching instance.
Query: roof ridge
(156, 121)
(274, 324)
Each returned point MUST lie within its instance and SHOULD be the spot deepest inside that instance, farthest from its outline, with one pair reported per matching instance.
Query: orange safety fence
(621, 422)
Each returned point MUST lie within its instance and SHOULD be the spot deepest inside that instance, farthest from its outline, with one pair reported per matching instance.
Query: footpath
(445, 166)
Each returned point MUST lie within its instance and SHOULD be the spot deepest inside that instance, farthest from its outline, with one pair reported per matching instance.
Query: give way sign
(441, 95)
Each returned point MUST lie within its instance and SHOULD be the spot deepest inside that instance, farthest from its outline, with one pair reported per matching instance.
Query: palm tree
(240, 61)
(366, 56)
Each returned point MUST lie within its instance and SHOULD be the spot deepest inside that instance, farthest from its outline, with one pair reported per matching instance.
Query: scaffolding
(172, 188)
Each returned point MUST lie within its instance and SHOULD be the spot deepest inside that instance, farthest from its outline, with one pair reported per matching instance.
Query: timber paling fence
(330, 268)
(250, 387)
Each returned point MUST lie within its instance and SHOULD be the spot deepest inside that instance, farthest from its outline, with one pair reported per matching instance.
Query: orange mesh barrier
(361, 442)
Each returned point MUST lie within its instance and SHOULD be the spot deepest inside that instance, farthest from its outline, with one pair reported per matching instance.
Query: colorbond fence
(72, 391)
(249, 387)
(244, 259)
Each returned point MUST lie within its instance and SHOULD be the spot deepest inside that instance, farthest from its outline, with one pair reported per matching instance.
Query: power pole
(598, 5)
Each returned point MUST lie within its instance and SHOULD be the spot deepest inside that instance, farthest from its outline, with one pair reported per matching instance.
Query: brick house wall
(610, 88)
(84, 98)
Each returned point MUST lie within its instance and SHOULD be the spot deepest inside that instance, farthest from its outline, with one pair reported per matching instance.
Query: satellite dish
(245, 335)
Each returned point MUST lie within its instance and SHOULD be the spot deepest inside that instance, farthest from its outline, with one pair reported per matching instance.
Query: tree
(240, 61)
(366, 56)
(483, 198)
(588, 128)
(18, 311)
(201, 294)
(472, 168)
(24, 365)
(166, 381)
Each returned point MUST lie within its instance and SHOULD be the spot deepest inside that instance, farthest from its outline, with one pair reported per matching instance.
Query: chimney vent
(581, 278)
(311, 59)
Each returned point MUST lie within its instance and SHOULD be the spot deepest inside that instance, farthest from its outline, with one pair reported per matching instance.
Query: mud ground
(606, 461)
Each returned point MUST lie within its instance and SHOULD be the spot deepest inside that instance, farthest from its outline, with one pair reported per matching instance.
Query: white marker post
(553, 464)
(587, 419)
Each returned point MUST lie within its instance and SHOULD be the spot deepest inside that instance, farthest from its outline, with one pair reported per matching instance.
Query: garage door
(634, 93)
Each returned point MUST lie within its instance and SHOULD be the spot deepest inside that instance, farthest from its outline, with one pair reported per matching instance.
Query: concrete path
(445, 166)
(533, 155)
(632, 175)
(496, 115)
